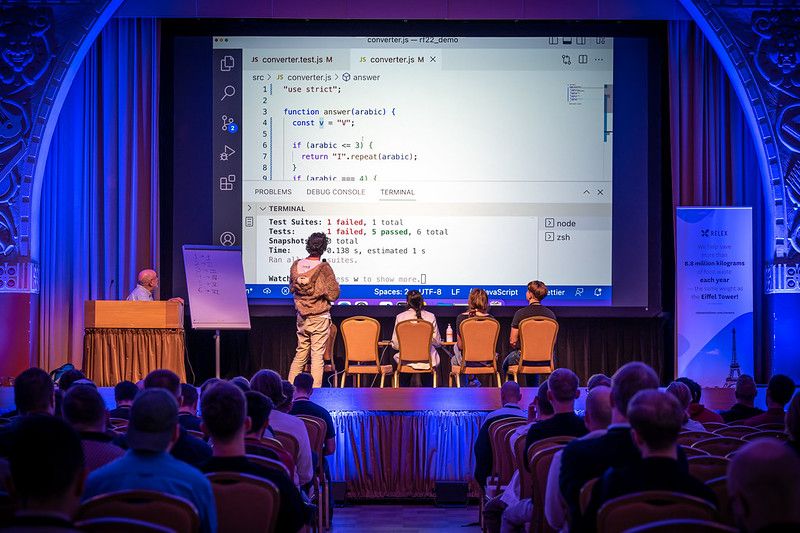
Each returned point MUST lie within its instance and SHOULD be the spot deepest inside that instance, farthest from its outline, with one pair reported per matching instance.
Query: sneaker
(474, 383)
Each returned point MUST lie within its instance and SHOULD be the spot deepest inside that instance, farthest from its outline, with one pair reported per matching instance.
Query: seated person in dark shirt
(187, 413)
(85, 410)
(124, 393)
(562, 393)
(537, 291)
(510, 396)
(745, 393)
(779, 392)
(697, 411)
(46, 462)
(34, 394)
(68, 378)
(302, 405)
(656, 419)
(224, 420)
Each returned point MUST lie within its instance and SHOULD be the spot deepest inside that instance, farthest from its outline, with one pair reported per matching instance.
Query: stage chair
(633, 510)
(289, 443)
(687, 438)
(502, 460)
(317, 428)
(255, 447)
(737, 432)
(115, 525)
(328, 359)
(708, 467)
(360, 335)
(719, 446)
(165, 510)
(479, 337)
(780, 435)
(713, 426)
(537, 341)
(684, 526)
(266, 462)
(245, 503)
(585, 495)
(414, 337)
(524, 458)
(540, 467)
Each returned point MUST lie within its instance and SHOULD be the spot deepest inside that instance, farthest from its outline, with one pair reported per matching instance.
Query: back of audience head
(779, 390)
(656, 419)
(542, 408)
(598, 408)
(208, 383)
(125, 392)
(223, 408)
(793, 419)
(259, 407)
(188, 398)
(268, 383)
(563, 384)
(598, 380)
(510, 393)
(34, 392)
(47, 465)
(627, 381)
(153, 424)
(304, 384)
(164, 379)
(85, 409)
(745, 391)
(68, 378)
(694, 388)
(682, 394)
(288, 392)
(241, 382)
(763, 486)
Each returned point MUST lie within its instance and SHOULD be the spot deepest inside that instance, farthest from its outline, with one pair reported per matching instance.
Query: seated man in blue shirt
(147, 465)
(146, 284)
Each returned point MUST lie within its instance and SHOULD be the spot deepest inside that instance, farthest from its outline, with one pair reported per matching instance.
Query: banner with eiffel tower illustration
(714, 294)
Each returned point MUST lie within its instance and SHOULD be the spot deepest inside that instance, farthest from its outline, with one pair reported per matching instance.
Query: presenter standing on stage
(314, 286)
(146, 284)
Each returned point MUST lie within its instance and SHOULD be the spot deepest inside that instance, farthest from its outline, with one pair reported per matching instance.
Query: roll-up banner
(714, 294)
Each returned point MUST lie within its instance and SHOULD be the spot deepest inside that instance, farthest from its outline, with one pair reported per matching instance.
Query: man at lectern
(146, 283)
(314, 286)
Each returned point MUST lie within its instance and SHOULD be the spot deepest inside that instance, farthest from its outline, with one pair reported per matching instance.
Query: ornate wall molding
(759, 45)
(19, 277)
(42, 44)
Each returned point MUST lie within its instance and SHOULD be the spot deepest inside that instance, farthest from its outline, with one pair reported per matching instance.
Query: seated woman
(477, 305)
(415, 304)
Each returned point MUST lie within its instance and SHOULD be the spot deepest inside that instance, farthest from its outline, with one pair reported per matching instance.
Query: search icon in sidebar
(230, 90)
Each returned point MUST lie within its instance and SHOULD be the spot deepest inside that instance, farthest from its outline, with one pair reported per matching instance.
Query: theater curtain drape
(100, 189)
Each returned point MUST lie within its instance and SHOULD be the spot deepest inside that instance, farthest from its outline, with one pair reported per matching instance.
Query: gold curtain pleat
(114, 355)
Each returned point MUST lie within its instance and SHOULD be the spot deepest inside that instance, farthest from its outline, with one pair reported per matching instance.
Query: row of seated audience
(628, 442)
(48, 447)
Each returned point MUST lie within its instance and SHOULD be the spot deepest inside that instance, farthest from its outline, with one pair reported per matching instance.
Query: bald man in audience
(146, 284)
(510, 396)
(779, 393)
(597, 419)
(764, 487)
(745, 394)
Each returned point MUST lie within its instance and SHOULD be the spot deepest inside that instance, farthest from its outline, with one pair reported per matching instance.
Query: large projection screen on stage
(438, 162)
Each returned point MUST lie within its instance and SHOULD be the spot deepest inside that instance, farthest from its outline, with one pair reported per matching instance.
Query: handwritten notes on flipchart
(215, 283)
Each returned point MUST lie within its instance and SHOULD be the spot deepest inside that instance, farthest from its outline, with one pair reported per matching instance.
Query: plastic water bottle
(449, 334)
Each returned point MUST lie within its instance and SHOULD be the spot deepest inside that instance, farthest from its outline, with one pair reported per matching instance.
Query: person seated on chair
(85, 411)
(268, 383)
(684, 397)
(302, 405)
(288, 393)
(477, 305)
(793, 424)
(415, 303)
(223, 409)
(779, 392)
(510, 396)
(187, 413)
(764, 487)
(537, 291)
(598, 380)
(656, 419)
(698, 411)
(745, 393)
(47, 469)
(34, 394)
(124, 393)
(146, 284)
(147, 465)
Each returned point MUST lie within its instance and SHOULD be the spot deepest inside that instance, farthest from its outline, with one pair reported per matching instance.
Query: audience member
(764, 487)
(241, 382)
(793, 424)
(288, 393)
(583, 460)
(745, 393)
(562, 393)
(656, 419)
(124, 393)
(207, 383)
(597, 419)
(34, 394)
(223, 411)
(537, 291)
(684, 397)
(68, 378)
(268, 383)
(188, 449)
(697, 411)
(302, 405)
(779, 391)
(85, 410)
(598, 380)
(510, 396)
(187, 412)
(539, 409)
(147, 465)
(259, 408)
(46, 462)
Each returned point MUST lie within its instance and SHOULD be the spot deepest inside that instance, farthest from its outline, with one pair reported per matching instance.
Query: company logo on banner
(714, 294)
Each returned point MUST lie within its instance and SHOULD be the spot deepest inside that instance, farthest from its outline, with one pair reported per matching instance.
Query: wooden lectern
(127, 340)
